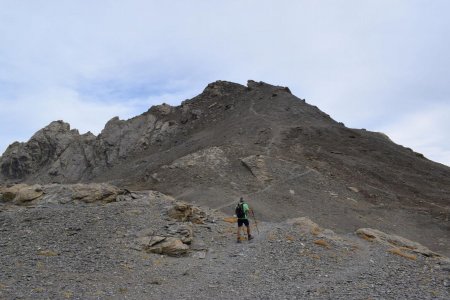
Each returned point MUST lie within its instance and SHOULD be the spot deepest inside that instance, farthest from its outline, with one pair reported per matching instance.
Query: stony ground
(90, 251)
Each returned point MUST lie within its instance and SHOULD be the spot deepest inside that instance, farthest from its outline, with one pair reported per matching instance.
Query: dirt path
(273, 184)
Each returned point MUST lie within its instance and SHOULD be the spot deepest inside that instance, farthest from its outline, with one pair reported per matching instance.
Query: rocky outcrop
(306, 226)
(95, 192)
(22, 194)
(212, 158)
(42, 150)
(176, 237)
(164, 245)
(182, 211)
(256, 164)
(174, 241)
(58, 154)
(399, 242)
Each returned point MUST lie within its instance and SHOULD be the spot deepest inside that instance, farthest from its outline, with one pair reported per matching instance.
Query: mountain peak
(222, 88)
(259, 141)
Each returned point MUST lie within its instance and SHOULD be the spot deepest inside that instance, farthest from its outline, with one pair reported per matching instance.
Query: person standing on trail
(242, 210)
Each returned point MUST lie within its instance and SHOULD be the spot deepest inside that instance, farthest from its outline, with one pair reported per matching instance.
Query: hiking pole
(256, 223)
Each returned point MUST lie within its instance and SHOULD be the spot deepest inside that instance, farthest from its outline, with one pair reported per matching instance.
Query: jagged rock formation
(260, 141)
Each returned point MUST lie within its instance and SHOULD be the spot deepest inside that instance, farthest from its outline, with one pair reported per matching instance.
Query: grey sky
(379, 65)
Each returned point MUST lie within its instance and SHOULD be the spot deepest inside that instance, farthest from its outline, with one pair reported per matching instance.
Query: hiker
(242, 210)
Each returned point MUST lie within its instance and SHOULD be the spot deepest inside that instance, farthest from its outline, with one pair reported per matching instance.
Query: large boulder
(184, 231)
(171, 246)
(95, 192)
(21, 193)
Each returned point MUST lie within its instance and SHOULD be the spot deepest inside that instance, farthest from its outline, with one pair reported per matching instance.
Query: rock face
(259, 141)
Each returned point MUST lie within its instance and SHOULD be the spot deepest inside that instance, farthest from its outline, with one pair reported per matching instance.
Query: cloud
(23, 116)
(425, 129)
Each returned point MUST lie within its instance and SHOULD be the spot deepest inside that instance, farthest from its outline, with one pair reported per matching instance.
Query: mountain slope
(286, 156)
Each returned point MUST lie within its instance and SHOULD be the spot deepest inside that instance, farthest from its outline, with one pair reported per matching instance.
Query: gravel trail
(88, 251)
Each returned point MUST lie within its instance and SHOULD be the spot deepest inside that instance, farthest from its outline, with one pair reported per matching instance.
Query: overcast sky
(379, 65)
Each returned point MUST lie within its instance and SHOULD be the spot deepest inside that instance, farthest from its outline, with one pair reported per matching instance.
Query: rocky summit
(143, 210)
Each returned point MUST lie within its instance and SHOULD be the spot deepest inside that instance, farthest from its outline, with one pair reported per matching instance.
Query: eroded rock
(95, 192)
(307, 226)
(184, 231)
(182, 211)
(212, 158)
(395, 240)
(21, 193)
(165, 245)
(257, 166)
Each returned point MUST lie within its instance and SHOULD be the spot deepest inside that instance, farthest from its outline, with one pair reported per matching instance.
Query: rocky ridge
(257, 141)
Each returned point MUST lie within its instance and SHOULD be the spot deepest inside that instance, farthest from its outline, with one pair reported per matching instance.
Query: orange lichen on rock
(316, 230)
(399, 252)
(322, 243)
(230, 219)
(367, 237)
(290, 238)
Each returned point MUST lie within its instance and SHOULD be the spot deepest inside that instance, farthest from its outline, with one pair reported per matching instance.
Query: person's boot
(238, 240)
(250, 237)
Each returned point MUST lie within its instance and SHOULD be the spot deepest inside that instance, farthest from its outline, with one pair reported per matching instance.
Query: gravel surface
(90, 251)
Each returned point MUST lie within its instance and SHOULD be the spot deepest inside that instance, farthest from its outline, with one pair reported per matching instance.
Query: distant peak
(222, 88)
(162, 109)
(57, 126)
(252, 84)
